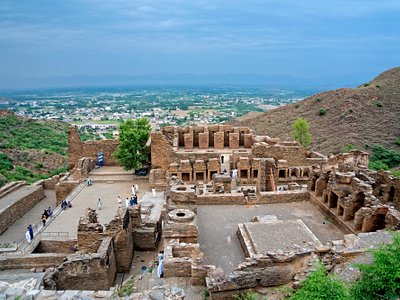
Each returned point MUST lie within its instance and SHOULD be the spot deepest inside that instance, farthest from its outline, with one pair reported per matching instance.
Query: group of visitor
(65, 204)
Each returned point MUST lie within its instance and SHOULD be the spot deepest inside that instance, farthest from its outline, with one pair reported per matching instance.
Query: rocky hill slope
(363, 116)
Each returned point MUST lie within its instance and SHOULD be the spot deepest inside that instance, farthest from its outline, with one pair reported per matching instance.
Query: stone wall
(96, 271)
(283, 197)
(46, 260)
(161, 151)
(64, 187)
(32, 195)
(48, 246)
(387, 188)
(50, 183)
(121, 229)
(264, 271)
(78, 149)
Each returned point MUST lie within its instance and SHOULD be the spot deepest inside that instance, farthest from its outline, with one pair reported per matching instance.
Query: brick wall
(78, 149)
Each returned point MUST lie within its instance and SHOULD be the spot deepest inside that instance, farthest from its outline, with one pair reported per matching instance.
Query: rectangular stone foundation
(269, 236)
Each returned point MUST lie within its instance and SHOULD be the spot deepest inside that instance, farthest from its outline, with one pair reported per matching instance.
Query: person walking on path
(30, 229)
(43, 218)
(133, 190)
(99, 204)
(28, 237)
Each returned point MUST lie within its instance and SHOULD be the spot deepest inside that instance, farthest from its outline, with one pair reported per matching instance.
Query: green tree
(381, 279)
(132, 152)
(301, 132)
(320, 286)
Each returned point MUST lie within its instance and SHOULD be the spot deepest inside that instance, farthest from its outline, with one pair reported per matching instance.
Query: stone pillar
(203, 140)
(248, 140)
(219, 140)
(188, 140)
(233, 140)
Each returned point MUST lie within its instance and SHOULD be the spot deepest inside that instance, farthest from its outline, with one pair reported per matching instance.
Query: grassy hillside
(21, 133)
(362, 117)
(31, 149)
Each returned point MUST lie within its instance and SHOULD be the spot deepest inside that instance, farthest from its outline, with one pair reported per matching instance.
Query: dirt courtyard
(218, 225)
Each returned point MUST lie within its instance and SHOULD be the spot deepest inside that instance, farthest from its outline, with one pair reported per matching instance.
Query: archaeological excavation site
(232, 211)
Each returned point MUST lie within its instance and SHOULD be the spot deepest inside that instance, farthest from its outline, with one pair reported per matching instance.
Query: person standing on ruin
(119, 200)
(133, 189)
(127, 202)
(99, 204)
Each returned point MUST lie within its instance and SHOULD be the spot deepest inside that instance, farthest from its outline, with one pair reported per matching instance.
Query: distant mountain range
(362, 116)
(157, 79)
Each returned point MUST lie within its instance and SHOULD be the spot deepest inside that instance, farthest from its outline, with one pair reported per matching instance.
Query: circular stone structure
(181, 215)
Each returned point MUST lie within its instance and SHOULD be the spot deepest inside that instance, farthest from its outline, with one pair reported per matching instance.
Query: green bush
(381, 279)
(5, 162)
(397, 141)
(318, 99)
(378, 104)
(383, 158)
(320, 286)
(322, 111)
(350, 110)
(366, 84)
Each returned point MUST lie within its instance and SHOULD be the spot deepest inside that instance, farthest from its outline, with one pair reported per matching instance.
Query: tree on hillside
(301, 133)
(132, 152)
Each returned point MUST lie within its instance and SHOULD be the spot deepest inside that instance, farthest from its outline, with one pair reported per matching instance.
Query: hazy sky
(341, 41)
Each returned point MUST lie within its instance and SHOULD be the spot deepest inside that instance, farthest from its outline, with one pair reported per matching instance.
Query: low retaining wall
(48, 246)
(282, 197)
(220, 199)
(47, 260)
(20, 207)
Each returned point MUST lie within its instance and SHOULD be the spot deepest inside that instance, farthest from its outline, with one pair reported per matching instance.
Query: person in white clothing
(28, 237)
(119, 200)
(99, 204)
(127, 202)
(136, 189)
(153, 193)
(133, 190)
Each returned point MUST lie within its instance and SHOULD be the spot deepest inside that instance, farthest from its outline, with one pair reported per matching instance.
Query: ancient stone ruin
(231, 210)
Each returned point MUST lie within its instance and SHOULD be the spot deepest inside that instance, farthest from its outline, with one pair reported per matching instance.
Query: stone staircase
(112, 176)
